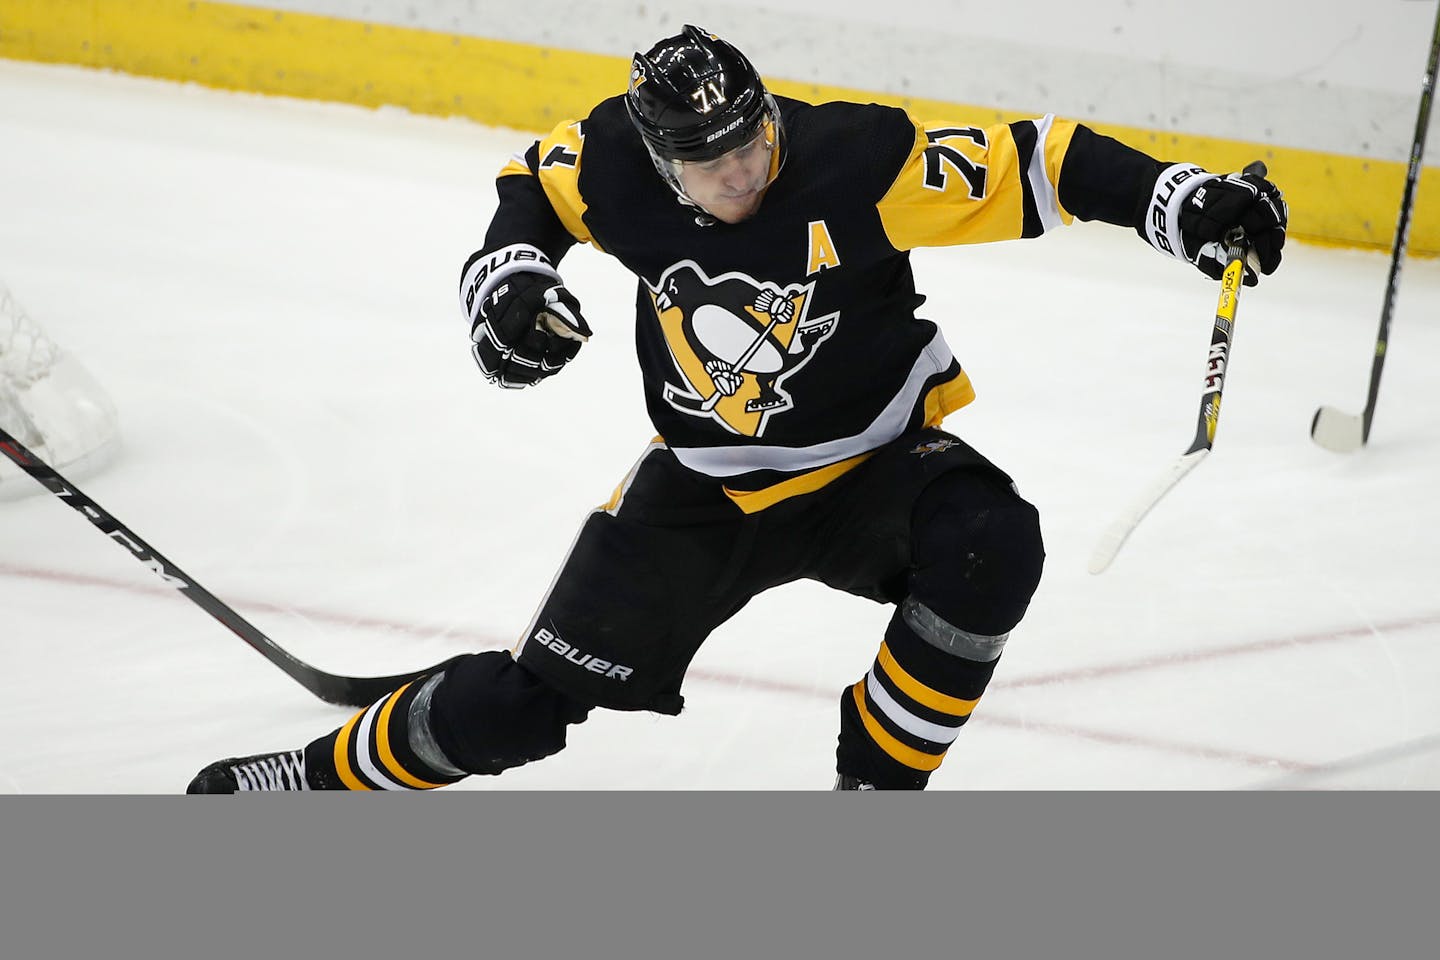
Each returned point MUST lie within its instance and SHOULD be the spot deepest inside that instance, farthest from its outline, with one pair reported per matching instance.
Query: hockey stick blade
(333, 688)
(1208, 418)
(1118, 532)
(1338, 431)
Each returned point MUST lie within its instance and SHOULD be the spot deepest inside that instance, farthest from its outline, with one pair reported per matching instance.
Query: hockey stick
(687, 401)
(341, 690)
(1334, 429)
(739, 365)
(1209, 416)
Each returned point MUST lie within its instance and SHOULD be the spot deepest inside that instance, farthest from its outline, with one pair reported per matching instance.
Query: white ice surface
(266, 287)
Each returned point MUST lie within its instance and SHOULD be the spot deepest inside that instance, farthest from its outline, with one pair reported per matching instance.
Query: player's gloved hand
(1191, 213)
(529, 327)
(525, 326)
(1243, 200)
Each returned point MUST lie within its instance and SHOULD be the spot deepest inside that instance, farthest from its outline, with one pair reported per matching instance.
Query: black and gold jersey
(778, 352)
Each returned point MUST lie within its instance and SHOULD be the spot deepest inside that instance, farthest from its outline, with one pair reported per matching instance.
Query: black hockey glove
(525, 326)
(1191, 212)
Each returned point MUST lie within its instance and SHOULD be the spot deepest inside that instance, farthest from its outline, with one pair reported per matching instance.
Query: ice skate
(264, 771)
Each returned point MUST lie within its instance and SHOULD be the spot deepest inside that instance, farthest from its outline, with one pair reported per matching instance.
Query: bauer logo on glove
(1193, 214)
(525, 326)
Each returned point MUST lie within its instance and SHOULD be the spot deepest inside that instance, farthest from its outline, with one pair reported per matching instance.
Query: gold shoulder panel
(560, 155)
(964, 183)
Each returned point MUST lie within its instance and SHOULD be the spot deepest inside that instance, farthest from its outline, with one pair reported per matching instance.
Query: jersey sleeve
(540, 199)
(963, 183)
(1104, 179)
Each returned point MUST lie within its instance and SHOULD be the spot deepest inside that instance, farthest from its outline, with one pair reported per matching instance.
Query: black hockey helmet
(694, 97)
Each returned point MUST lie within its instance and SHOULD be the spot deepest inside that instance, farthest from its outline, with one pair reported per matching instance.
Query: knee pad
(489, 714)
(976, 552)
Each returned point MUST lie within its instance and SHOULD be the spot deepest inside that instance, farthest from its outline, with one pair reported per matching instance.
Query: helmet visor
(750, 165)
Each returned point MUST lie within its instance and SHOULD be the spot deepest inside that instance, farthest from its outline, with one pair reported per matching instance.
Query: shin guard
(899, 720)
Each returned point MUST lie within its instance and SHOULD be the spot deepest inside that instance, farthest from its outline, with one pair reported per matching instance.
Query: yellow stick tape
(1334, 199)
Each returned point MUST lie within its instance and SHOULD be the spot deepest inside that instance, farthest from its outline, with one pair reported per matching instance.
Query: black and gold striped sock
(899, 720)
(386, 746)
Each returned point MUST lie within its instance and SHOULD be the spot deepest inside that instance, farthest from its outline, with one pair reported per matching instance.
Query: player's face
(729, 187)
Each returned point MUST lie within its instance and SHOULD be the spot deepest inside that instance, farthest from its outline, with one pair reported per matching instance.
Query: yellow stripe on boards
(1334, 199)
(315, 57)
(905, 754)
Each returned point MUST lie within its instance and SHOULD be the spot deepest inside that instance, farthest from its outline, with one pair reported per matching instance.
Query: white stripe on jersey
(735, 460)
(1047, 201)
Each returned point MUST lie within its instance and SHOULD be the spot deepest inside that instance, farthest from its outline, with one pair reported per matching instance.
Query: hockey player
(797, 397)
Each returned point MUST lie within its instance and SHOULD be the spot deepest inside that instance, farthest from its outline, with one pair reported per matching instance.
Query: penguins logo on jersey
(734, 341)
(933, 446)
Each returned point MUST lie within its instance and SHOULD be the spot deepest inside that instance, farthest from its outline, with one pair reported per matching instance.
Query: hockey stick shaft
(739, 364)
(1330, 427)
(1221, 335)
(332, 688)
(1206, 422)
(1402, 226)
